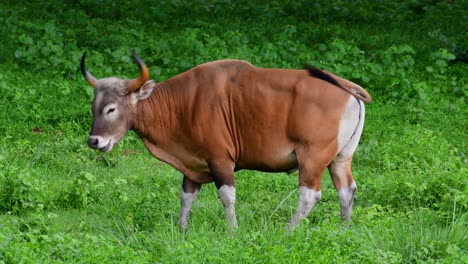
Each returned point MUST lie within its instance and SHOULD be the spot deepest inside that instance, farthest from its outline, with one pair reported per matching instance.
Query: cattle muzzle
(100, 143)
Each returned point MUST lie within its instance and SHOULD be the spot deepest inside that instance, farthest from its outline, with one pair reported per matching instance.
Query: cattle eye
(111, 110)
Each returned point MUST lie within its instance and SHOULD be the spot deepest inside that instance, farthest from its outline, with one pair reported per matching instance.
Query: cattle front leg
(227, 195)
(345, 186)
(223, 174)
(190, 190)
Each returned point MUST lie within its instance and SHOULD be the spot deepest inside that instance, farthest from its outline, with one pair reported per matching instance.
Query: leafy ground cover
(62, 202)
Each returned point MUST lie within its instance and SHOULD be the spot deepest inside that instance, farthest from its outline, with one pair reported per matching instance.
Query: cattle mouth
(107, 147)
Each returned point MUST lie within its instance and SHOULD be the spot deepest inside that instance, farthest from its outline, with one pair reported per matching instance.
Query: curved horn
(136, 83)
(88, 76)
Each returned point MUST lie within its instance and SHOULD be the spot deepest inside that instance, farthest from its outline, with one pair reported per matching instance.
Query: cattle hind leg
(308, 198)
(312, 164)
(189, 194)
(340, 167)
(345, 186)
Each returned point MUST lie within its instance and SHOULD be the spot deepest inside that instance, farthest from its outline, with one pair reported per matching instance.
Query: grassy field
(61, 202)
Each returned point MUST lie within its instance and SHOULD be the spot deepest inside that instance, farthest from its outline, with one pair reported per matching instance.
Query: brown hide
(247, 117)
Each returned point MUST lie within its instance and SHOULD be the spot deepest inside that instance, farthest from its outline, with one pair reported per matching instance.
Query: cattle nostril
(93, 142)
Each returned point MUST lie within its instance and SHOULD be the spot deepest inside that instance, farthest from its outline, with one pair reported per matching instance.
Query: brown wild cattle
(228, 115)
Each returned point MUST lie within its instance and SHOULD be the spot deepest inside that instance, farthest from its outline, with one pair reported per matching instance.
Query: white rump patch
(351, 126)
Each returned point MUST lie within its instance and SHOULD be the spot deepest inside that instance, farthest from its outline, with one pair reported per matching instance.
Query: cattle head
(114, 105)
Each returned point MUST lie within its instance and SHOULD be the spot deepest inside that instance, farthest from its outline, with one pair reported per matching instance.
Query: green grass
(61, 202)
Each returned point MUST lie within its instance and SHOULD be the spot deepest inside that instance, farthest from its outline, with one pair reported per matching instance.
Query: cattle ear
(145, 90)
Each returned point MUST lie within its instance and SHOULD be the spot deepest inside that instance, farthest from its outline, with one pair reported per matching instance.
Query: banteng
(227, 115)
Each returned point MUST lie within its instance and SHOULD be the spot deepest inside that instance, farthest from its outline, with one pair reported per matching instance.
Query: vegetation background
(61, 202)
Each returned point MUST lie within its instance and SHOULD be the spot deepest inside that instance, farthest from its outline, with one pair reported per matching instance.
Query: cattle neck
(156, 115)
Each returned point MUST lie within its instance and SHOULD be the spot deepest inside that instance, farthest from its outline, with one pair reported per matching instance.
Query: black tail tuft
(317, 73)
